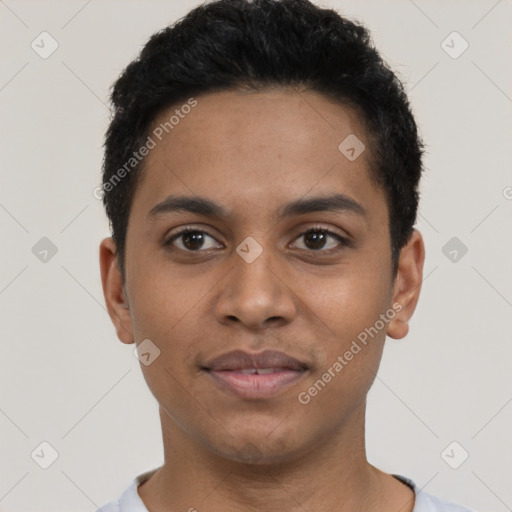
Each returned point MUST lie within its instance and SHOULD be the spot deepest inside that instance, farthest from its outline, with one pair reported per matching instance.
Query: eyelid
(188, 229)
(342, 239)
(326, 229)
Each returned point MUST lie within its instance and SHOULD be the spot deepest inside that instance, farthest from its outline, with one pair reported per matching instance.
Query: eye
(192, 240)
(317, 239)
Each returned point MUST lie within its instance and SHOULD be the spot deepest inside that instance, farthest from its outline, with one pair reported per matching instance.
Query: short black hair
(256, 45)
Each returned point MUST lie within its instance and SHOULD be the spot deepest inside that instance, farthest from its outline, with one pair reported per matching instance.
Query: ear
(116, 299)
(406, 291)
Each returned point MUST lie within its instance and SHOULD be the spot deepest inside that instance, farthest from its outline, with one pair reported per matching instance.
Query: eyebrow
(208, 208)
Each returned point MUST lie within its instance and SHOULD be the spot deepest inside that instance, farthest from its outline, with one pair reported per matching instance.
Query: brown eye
(192, 240)
(317, 239)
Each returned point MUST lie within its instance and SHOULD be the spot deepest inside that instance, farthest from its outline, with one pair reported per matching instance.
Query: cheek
(163, 300)
(165, 309)
(347, 302)
(347, 310)
(350, 343)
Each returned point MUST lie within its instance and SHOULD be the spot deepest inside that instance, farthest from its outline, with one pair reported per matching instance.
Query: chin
(260, 449)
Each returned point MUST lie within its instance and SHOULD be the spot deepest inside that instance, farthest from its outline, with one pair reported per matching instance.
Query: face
(286, 261)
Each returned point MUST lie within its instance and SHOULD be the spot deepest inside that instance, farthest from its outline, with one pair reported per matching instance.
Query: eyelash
(344, 242)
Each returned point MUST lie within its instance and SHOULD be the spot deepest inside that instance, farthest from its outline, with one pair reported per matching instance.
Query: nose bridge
(255, 291)
(258, 275)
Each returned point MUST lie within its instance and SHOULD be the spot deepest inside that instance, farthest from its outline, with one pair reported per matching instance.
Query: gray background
(67, 380)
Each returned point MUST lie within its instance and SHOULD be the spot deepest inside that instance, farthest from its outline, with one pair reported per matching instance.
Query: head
(273, 118)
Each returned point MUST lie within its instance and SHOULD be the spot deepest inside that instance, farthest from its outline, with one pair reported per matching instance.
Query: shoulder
(427, 503)
(130, 500)
(113, 506)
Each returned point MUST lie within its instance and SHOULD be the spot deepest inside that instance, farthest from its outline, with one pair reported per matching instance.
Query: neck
(331, 475)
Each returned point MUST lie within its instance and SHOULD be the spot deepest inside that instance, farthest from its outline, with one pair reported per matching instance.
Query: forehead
(221, 121)
(257, 148)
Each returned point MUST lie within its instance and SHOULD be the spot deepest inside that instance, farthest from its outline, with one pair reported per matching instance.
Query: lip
(237, 373)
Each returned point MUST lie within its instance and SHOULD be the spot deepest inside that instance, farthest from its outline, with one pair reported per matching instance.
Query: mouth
(255, 376)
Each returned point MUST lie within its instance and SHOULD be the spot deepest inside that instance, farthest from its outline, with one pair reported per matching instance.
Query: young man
(261, 178)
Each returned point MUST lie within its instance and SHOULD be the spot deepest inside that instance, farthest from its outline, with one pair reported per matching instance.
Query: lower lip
(254, 385)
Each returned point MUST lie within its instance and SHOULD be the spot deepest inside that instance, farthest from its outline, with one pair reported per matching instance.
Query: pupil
(318, 240)
(193, 240)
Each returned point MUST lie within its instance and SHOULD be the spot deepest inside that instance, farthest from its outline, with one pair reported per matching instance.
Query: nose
(256, 295)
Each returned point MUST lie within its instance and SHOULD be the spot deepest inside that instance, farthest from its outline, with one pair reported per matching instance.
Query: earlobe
(114, 291)
(407, 285)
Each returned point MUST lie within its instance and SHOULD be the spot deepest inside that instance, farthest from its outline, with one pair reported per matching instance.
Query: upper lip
(240, 360)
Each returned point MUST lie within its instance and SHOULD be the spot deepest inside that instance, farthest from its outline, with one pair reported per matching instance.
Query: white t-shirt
(130, 500)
